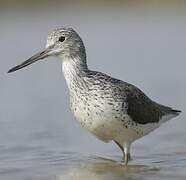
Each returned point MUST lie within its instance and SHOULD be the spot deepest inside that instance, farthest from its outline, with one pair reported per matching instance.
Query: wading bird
(111, 109)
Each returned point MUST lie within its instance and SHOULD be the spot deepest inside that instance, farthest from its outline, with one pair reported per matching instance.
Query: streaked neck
(74, 69)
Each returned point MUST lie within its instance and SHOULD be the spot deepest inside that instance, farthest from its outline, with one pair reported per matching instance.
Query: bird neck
(74, 69)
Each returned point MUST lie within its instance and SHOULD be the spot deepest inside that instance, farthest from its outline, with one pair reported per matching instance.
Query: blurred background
(142, 42)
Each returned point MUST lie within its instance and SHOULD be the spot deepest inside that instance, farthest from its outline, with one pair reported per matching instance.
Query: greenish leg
(126, 152)
(121, 147)
(127, 158)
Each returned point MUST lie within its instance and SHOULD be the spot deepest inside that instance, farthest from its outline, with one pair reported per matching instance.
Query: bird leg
(121, 147)
(125, 151)
(127, 158)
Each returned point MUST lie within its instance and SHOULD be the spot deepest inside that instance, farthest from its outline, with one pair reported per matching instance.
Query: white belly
(105, 126)
(99, 118)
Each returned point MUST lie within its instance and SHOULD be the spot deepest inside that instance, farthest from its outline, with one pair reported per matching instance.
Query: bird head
(60, 42)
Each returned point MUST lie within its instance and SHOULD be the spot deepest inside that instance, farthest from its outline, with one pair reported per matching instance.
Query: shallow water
(32, 163)
(39, 138)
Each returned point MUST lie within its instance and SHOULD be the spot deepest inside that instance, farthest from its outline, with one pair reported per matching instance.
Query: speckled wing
(140, 108)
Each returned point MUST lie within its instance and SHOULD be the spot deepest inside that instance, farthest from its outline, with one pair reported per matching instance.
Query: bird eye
(61, 38)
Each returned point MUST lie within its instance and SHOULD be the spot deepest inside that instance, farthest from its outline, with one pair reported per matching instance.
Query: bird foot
(126, 158)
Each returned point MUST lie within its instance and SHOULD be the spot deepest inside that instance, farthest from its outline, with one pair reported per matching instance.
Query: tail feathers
(170, 114)
(175, 111)
(169, 110)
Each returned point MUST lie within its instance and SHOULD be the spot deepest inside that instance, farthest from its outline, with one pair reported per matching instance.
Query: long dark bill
(41, 55)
